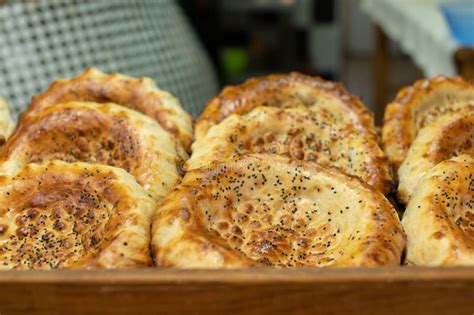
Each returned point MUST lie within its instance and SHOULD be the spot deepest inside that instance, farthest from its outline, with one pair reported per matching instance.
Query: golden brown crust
(286, 90)
(448, 136)
(73, 215)
(416, 106)
(6, 122)
(97, 133)
(141, 94)
(312, 135)
(439, 216)
(262, 209)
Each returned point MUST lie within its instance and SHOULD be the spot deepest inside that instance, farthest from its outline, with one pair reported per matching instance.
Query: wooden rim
(256, 276)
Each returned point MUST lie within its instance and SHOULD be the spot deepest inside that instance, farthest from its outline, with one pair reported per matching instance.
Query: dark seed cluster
(316, 135)
(52, 228)
(457, 204)
(274, 217)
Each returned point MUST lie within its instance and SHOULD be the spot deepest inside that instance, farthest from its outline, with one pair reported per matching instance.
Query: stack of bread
(285, 171)
(101, 171)
(83, 171)
(428, 136)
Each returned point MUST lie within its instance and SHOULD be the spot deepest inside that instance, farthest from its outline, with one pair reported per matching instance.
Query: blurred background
(333, 39)
(194, 47)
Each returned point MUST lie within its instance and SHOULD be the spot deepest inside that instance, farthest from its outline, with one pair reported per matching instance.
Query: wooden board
(398, 290)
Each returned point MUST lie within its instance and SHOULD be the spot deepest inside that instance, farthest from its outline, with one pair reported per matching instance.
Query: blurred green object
(234, 60)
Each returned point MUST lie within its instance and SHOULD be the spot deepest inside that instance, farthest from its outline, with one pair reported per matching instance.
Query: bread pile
(84, 169)
(285, 171)
(103, 171)
(428, 136)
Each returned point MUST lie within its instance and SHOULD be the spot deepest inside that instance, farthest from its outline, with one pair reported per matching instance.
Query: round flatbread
(448, 136)
(296, 132)
(287, 90)
(73, 215)
(439, 218)
(97, 133)
(140, 94)
(266, 210)
(417, 106)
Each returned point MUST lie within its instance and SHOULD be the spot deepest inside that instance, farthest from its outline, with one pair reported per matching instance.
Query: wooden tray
(396, 290)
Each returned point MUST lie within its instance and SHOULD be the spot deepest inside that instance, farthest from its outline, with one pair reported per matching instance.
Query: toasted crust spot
(286, 90)
(141, 94)
(262, 210)
(6, 122)
(439, 217)
(97, 133)
(417, 106)
(73, 215)
(300, 133)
